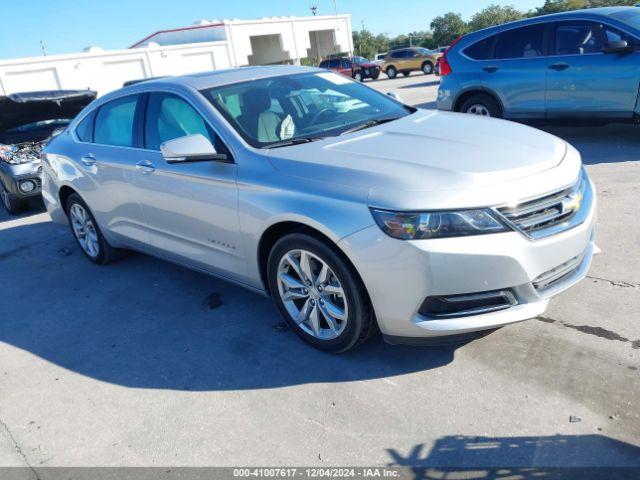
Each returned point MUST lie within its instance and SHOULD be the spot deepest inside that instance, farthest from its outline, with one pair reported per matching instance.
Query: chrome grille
(554, 276)
(552, 213)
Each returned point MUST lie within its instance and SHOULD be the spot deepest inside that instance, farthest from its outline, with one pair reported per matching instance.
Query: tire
(427, 68)
(375, 75)
(482, 104)
(358, 77)
(101, 253)
(12, 204)
(391, 72)
(294, 298)
(406, 74)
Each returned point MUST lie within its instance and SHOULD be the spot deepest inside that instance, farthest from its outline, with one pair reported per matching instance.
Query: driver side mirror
(618, 46)
(192, 148)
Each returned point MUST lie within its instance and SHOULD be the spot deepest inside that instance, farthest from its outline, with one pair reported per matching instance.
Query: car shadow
(145, 323)
(429, 83)
(612, 143)
(524, 457)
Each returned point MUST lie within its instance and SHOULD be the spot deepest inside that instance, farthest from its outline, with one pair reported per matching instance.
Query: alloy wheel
(84, 230)
(479, 109)
(312, 294)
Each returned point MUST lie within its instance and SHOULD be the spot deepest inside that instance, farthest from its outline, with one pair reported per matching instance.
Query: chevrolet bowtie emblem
(571, 203)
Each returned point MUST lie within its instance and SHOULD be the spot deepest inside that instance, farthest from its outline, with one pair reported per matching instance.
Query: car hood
(427, 151)
(19, 109)
(369, 64)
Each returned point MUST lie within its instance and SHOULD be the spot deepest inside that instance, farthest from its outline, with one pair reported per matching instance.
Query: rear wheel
(375, 74)
(482, 105)
(319, 293)
(87, 233)
(392, 72)
(427, 68)
(12, 204)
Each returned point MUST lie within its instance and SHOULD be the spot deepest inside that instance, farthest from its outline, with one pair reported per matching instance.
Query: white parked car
(352, 210)
(379, 58)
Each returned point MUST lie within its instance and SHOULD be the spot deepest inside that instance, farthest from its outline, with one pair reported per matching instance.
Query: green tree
(447, 28)
(494, 15)
(554, 6)
(367, 45)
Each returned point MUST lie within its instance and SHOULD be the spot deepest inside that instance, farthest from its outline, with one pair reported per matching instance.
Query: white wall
(284, 38)
(293, 31)
(105, 71)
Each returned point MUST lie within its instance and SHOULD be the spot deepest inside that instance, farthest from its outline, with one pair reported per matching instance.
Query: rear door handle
(89, 160)
(490, 69)
(145, 167)
(559, 66)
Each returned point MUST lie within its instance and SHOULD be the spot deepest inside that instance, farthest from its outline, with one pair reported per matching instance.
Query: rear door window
(84, 130)
(523, 42)
(578, 38)
(481, 50)
(114, 122)
(399, 54)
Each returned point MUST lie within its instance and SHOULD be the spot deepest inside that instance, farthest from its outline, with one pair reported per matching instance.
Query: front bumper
(400, 275)
(12, 175)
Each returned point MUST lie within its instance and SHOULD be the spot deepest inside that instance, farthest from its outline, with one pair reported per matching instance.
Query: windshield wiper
(369, 124)
(293, 141)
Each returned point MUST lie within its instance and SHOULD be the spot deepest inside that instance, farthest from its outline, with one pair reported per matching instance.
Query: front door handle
(89, 160)
(145, 167)
(490, 69)
(559, 66)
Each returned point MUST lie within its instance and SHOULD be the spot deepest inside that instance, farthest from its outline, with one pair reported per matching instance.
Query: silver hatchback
(352, 210)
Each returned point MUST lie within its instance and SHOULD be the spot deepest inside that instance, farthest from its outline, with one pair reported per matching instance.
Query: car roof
(211, 79)
(571, 14)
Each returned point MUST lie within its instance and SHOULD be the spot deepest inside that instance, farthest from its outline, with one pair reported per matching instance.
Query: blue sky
(68, 26)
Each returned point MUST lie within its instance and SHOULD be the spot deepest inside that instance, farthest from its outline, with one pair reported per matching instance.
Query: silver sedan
(352, 210)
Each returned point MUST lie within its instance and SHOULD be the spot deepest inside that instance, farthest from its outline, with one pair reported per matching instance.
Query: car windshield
(359, 60)
(289, 109)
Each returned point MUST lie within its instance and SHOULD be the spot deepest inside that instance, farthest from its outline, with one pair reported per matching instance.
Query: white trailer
(104, 71)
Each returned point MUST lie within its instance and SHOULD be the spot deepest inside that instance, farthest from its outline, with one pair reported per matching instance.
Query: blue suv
(579, 65)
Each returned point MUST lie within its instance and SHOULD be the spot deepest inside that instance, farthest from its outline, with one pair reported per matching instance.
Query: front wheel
(13, 205)
(319, 294)
(392, 73)
(357, 76)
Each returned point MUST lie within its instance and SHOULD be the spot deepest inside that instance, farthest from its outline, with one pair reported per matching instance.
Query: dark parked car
(579, 65)
(27, 121)
(358, 68)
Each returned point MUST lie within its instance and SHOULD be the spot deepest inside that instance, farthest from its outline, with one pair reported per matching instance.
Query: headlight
(437, 224)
